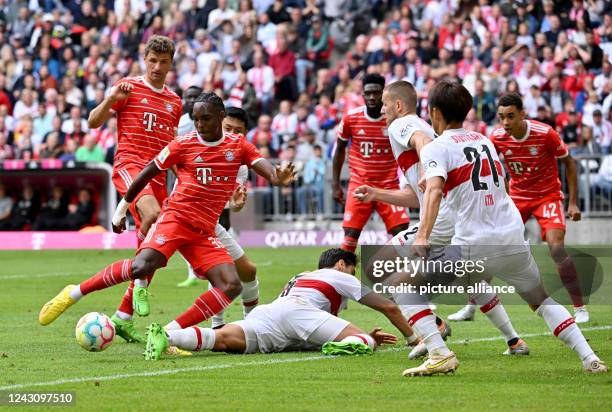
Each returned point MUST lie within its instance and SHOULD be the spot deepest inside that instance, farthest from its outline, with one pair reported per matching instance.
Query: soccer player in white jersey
(464, 166)
(303, 317)
(408, 133)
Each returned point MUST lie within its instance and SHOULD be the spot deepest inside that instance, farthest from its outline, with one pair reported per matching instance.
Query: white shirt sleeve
(243, 175)
(348, 286)
(401, 133)
(434, 160)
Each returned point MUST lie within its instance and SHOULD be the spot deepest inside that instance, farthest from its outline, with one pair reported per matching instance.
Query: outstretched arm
(337, 163)
(389, 309)
(431, 207)
(144, 177)
(277, 176)
(403, 198)
(102, 112)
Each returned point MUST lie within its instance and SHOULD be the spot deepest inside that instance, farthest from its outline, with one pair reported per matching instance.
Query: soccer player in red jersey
(530, 150)
(207, 163)
(371, 163)
(148, 115)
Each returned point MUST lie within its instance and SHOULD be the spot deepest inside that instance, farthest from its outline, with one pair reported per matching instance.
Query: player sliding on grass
(408, 134)
(303, 317)
(464, 166)
(207, 163)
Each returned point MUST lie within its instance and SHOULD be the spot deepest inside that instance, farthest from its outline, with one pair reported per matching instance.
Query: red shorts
(356, 213)
(202, 250)
(549, 212)
(122, 179)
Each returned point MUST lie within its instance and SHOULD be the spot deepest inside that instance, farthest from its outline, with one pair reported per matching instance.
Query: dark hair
(331, 256)
(198, 88)
(373, 78)
(160, 45)
(210, 98)
(452, 100)
(403, 91)
(511, 99)
(237, 113)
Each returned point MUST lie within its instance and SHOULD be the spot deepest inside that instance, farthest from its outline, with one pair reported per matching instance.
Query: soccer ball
(95, 332)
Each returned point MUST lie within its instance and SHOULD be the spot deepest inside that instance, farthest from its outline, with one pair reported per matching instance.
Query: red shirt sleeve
(250, 154)
(344, 129)
(179, 113)
(555, 145)
(169, 156)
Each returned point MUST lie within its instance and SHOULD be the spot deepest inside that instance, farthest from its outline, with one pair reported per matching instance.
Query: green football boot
(140, 301)
(346, 348)
(126, 329)
(157, 342)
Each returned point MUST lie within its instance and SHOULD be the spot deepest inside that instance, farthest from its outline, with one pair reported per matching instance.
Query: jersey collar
(210, 144)
(365, 113)
(522, 139)
(150, 86)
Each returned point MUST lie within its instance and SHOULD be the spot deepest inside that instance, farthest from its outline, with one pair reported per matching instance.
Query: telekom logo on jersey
(366, 148)
(149, 121)
(204, 174)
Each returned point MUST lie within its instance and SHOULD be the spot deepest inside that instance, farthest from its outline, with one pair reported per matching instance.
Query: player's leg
(147, 261)
(521, 271)
(247, 272)
(231, 338)
(395, 218)
(567, 271)
(356, 215)
(350, 341)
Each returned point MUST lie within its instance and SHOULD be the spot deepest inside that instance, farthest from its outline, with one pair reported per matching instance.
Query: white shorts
(231, 245)
(289, 323)
(404, 239)
(519, 270)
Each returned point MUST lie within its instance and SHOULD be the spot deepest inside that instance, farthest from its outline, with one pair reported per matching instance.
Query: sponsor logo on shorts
(348, 217)
(160, 239)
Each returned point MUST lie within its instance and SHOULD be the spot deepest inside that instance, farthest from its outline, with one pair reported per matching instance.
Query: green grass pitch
(49, 359)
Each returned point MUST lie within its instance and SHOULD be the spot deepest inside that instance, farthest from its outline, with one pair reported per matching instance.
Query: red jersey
(207, 174)
(371, 159)
(146, 121)
(532, 160)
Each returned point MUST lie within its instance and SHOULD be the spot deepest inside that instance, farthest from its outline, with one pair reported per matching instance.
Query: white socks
(123, 316)
(174, 325)
(192, 338)
(491, 306)
(191, 272)
(250, 296)
(76, 293)
(361, 338)
(141, 283)
(562, 325)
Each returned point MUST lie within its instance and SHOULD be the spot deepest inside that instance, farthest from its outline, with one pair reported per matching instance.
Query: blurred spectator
(543, 115)
(263, 136)
(70, 148)
(25, 210)
(556, 96)
(474, 124)
(305, 147)
(81, 213)
(283, 65)
(261, 76)
(313, 183)
(6, 150)
(6, 206)
(53, 211)
(51, 148)
(26, 105)
(266, 30)
(89, 151)
(484, 103)
(571, 131)
(602, 131)
(218, 15)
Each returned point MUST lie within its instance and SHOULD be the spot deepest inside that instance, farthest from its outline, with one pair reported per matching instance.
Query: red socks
(204, 307)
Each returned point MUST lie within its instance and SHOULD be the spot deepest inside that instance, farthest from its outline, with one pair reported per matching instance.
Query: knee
(150, 217)
(142, 266)
(231, 287)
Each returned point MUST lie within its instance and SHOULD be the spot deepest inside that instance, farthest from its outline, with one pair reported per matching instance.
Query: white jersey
(186, 125)
(474, 186)
(401, 131)
(325, 289)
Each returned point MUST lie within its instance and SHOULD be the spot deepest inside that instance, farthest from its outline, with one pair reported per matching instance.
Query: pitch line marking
(252, 363)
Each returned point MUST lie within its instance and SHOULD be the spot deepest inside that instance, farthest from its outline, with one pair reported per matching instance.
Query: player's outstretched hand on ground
(365, 194)
(120, 91)
(420, 248)
(286, 174)
(574, 213)
(382, 338)
(239, 198)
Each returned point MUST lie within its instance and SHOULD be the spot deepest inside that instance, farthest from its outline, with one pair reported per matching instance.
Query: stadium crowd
(295, 67)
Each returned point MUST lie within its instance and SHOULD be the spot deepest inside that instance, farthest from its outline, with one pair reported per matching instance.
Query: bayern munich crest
(533, 151)
(229, 155)
(169, 107)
